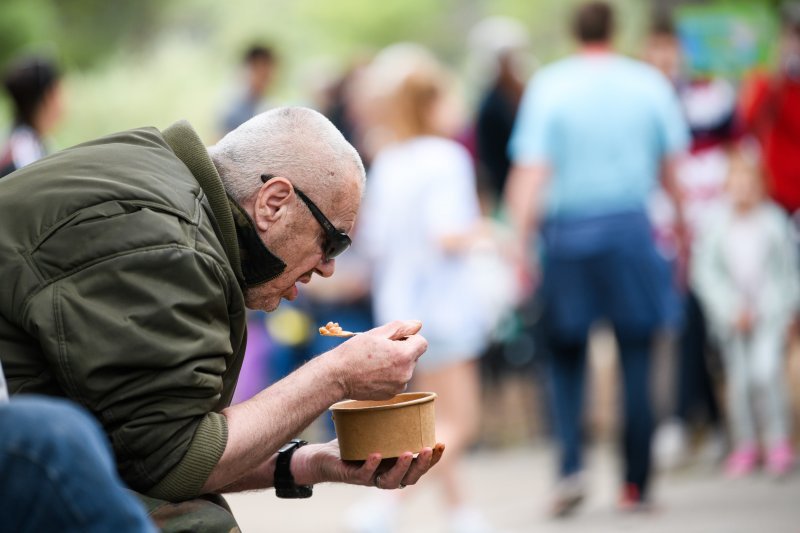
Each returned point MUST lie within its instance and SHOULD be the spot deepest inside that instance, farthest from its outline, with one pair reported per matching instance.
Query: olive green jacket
(121, 288)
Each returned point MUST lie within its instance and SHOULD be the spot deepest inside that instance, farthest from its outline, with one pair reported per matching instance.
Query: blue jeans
(603, 267)
(57, 472)
(567, 376)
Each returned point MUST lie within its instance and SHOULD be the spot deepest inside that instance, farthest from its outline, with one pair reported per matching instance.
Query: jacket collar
(258, 264)
(251, 261)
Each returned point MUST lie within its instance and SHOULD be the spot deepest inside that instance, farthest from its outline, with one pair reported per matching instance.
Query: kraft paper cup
(402, 424)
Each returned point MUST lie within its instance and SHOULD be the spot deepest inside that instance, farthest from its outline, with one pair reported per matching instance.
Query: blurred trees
(79, 32)
(22, 22)
(135, 62)
(82, 33)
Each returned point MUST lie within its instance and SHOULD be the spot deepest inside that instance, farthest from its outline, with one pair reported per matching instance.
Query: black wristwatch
(285, 487)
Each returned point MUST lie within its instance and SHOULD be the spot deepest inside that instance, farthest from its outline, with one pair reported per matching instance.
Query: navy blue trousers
(57, 472)
(602, 268)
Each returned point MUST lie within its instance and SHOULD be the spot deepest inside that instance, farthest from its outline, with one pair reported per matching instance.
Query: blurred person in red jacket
(770, 109)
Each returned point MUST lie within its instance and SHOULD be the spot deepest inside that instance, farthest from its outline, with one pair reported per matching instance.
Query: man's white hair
(296, 143)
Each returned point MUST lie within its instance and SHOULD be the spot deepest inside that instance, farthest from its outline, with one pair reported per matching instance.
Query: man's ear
(272, 201)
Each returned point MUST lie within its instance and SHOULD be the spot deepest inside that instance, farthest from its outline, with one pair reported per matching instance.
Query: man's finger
(419, 467)
(399, 329)
(426, 460)
(417, 345)
(392, 478)
(438, 450)
(370, 467)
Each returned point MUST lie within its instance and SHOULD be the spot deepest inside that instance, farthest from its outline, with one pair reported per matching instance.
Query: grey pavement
(512, 487)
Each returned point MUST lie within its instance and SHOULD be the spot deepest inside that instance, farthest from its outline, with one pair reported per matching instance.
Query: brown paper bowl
(402, 424)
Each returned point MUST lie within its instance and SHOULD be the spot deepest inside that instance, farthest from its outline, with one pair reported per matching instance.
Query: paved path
(512, 487)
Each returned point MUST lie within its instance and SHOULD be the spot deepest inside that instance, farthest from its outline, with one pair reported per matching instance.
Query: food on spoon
(331, 329)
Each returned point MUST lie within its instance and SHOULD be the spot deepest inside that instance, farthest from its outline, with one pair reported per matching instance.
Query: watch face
(286, 447)
(294, 443)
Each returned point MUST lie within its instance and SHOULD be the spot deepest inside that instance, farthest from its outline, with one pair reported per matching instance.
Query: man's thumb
(400, 329)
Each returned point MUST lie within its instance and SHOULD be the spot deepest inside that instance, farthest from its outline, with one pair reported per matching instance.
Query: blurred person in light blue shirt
(594, 134)
(602, 123)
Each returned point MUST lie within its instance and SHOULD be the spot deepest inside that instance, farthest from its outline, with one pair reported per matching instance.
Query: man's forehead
(345, 196)
(346, 209)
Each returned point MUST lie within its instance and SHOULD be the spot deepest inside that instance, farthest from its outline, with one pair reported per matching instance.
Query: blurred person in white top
(419, 219)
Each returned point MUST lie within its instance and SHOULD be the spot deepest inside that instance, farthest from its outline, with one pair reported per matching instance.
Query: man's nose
(326, 268)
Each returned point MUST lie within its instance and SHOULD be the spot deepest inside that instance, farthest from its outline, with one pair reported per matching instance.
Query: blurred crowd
(629, 193)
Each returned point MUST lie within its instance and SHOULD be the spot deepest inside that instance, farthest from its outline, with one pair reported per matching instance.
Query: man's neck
(595, 48)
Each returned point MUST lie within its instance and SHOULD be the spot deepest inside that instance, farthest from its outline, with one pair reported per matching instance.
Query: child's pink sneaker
(780, 459)
(741, 462)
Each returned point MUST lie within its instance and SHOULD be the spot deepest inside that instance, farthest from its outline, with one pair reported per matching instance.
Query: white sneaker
(670, 445)
(569, 494)
(468, 520)
(376, 514)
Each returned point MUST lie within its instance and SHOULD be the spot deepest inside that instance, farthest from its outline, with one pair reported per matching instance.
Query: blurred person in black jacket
(500, 43)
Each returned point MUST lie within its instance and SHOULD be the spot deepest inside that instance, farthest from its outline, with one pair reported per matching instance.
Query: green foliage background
(138, 62)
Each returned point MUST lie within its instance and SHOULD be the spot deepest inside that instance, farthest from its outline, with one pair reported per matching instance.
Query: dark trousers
(602, 268)
(567, 376)
(696, 398)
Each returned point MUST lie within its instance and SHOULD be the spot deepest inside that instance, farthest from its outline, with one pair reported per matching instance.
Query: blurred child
(34, 87)
(746, 274)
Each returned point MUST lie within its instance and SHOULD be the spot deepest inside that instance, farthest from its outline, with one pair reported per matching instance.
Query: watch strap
(285, 486)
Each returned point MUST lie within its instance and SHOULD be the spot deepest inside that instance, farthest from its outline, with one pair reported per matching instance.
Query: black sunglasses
(336, 241)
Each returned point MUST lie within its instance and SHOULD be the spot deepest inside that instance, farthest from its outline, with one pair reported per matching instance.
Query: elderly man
(129, 262)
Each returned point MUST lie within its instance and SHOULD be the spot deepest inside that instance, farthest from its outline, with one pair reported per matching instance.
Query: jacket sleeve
(779, 300)
(142, 339)
(711, 280)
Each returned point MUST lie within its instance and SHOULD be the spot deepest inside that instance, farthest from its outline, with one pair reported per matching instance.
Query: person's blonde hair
(410, 89)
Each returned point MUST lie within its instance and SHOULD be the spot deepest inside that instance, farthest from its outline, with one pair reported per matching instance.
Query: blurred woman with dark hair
(34, 87)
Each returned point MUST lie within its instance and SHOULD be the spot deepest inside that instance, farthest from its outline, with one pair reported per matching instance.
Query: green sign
(727, 38)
